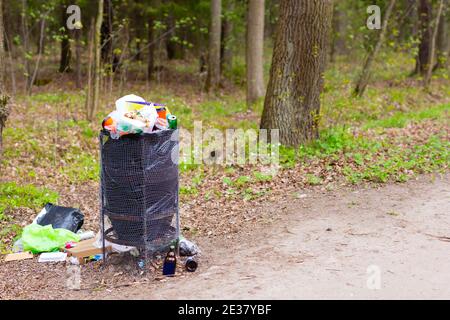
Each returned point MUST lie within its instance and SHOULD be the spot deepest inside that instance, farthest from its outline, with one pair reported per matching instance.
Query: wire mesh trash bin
(139, 190)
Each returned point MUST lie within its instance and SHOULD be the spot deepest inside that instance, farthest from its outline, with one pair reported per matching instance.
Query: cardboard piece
(18, 256)
(84, 249)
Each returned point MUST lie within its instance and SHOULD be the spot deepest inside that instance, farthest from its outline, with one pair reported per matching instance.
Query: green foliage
(398, 164)
(192, 188)
(250, 194)
(313, 180)
(12, 230)
(81, 167)
(188, 190)
(369, 159)
(242, 181)
(228, 181)
(399, 119)
(262, 177)
(14, 196)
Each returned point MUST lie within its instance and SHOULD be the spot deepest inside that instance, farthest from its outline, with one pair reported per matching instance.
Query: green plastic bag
(37, 238)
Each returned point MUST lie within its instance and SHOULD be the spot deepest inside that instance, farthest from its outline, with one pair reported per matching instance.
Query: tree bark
(226, 54)
(213, 77)
(40, 45)
(64, 64)
(2, 51)
(26, 43)
(106, 32)
(4, 98)
(36, 67)
(430, 63)
(91, 58)
(292, 102)
(151, 48)
(97, 42)
(11, 64)
(425, 32)
(365, 74)
(255, 50)
(78, 48)
(443, 41)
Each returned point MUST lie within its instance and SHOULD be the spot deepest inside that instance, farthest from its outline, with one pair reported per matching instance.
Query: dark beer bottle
(170, 262)
(191, 264)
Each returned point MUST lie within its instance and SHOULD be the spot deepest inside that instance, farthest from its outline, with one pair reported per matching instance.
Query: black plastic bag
(62, 217)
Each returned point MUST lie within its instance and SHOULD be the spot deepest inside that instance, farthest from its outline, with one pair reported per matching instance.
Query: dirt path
(330, 246)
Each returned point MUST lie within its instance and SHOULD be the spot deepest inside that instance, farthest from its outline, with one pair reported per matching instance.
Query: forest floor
(325, 245)
(394, 134)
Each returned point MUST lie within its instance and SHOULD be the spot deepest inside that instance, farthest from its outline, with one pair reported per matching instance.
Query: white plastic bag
(121, 103)
(129, 118)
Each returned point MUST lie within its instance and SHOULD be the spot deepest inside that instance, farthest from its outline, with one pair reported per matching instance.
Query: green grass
(80, 167)
(14, 196)
(24, 141)
(313, 180)
(371, 159)
(400, 120)
(13, 230)
(188, 190)
(399, 164)
(261, 177)
(331, 143)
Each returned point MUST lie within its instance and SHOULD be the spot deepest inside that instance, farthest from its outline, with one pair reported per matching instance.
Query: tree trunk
(38, 60)
(337, 46)
(226, 54)
(174, 49)
(430, 62)
(89, 88)
(365, 74)
(170, 45)
(255, 50)
(11, 64)
(213, 77)
(40, 45)
(64, 64)
(26, 43)
(4, 107)
(424, 11)
(78, 57)
(2, 51)
(106, 32)
(443, 40)
(137, 56)
(151, 48)
(97, 42)
(292, 101)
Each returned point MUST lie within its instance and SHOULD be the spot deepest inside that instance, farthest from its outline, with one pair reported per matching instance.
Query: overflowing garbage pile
(139, 176)
(56, 234)
(134, 115)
